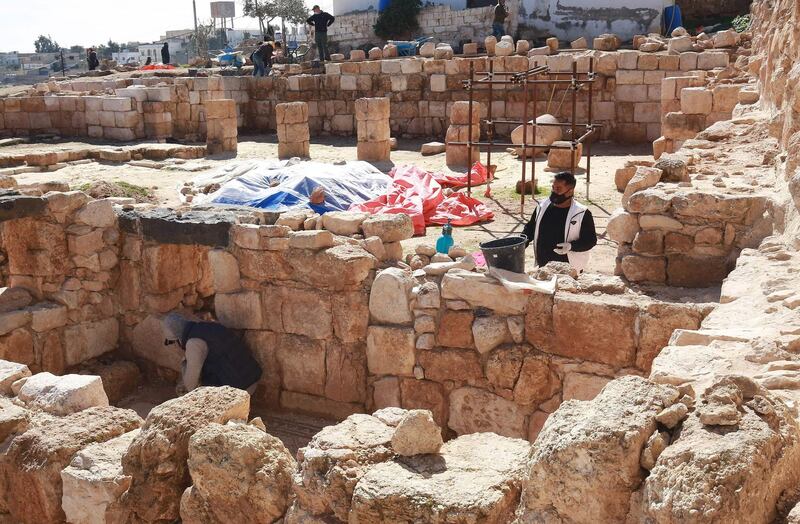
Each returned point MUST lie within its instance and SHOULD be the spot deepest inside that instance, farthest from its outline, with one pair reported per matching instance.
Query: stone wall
(627, 97)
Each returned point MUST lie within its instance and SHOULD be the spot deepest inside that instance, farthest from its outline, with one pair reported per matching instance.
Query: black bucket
(506, 253)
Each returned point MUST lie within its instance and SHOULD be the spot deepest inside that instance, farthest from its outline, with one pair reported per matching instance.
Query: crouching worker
(213, 355)
(561, 228)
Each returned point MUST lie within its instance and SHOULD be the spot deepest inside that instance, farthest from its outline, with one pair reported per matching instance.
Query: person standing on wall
(321, 22)
(92, 59)
(499, 21)
(561, 228)
(165, 54)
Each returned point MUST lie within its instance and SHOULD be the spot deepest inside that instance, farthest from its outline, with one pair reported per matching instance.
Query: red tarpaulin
(418, 193)
(153, 67)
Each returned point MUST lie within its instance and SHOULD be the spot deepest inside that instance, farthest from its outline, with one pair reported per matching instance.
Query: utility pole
(194, 8)
(63, 67)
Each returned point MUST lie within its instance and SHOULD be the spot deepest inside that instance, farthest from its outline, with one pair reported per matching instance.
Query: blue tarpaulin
(280, 186)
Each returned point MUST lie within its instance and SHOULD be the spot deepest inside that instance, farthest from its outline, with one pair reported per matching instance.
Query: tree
(265, 11)
(76, 49)
(399, 20)
(45, 44)
(113, 47)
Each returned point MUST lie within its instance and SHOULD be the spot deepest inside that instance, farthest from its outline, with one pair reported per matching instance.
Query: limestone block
(478, 290)
(10, 372)
(288, 150)
(97, 213)
(459, 491)
(696, 101)
(580, 43)
(680, 44)
(63, 395)
(310, 239)
(374, 151)
(46, 316)
(711, 60)
(459, 113)
(389, 51)
(432, 148)
(333, 463)
(490, 43)
(346, 223)
(474, 410)
(416, 433)
(443, 52)
(427, 50)
(239, 474)
(643, 178)
(156, 460)
(538, 134)
(558, 158)
(373, 130)
(388, 227)
(470, 48)
(390, 350)
(610, 433)
(522, 47)
(357, 55)
(225, 271)
(375, 53)
(94, 479)
(293, 133)
(375, 109)
(503, 48)
(662, 222)
(644, 268)
(727, 38)
(606, 42)
(490, 332)
(552, 43)
(337, 57)
(291, 113)
(13, 298)
(35, 459)
(388, 302)
(622, 226)
(239, 310)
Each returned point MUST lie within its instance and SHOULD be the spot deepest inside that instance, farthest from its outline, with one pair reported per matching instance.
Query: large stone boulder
(417, 434)
(63, 395)
(388, 227)
(332, 464)
(156, 460)
(94, 479)
(475, 478)
(730, 473)
(239, 474)
(388, 298)
(32, 466)
(673, 167)
(10, 372)
(538, 134)
(584, 464)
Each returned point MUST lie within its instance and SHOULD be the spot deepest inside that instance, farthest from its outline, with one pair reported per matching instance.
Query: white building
(9, 59)
(126, 57)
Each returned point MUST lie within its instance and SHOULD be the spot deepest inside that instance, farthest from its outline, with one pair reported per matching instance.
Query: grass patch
(118, 189)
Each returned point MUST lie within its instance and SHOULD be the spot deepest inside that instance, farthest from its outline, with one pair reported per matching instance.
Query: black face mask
(558, 199)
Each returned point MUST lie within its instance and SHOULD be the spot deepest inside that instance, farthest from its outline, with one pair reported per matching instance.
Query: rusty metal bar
(589, 143)
(489, 121)
(525, 146)
(469, 130)
(574, 88)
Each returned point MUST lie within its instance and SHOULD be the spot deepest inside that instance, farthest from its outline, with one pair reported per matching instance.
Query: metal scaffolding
(529, 81)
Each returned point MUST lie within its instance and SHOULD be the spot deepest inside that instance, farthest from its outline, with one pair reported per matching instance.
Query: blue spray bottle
(445, 242)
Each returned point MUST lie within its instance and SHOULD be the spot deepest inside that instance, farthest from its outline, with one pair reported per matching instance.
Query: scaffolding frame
(529, 80)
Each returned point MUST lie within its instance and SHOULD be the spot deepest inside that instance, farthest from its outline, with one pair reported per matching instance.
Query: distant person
(165, 54)
(92, 59)
(213, 355)
(266, 51)
(278, 57)
(258, 62)
(321, 22)
(499, 23)
(561, 229)
(149, 61)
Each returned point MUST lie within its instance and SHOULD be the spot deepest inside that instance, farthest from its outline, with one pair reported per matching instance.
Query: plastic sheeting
(417, 193)
(283, 185)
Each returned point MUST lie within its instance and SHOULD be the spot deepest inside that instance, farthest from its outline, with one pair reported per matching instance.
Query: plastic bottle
(445, 242)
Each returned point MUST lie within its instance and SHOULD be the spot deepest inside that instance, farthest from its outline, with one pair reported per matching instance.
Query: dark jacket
(229, 362)
(93, 61)
(500, 13)
(165, 54)
(320, 21)
(265, 52)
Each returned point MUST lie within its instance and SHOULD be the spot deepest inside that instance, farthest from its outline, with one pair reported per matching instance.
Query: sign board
(223, 9)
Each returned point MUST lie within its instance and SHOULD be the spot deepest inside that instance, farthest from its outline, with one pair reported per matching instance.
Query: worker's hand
(562, 248)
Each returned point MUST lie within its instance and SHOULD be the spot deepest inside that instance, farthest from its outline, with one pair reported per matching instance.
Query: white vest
(572, 231)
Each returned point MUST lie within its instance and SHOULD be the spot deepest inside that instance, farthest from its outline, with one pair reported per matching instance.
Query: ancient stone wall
(627, 97)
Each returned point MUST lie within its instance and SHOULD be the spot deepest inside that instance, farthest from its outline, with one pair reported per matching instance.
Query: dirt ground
(504, 201)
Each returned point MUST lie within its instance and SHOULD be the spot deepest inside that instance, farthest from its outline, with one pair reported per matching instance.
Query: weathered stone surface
(416, 434)
(455, 329)
(643, 178)
(622, 226)
(224, 270)
(302, 364)
(306, 312)
(737, 471)
(674, 168)
(10, 372)
(97, 213)
(490, 332)
(537, 381)
(63, 395)
(14, 420)
(600, 329)
(333, 463)
(343, 222)
(156, 460)
(94, 479)
(388, 227)
(475, 478)
(442, 365)
(239, 474)
(388, 299)
(480, 290)
(339, 267)
(474, 410)
(12, 298)
(170, 266)
(594, 448)
(390, 350)
(33, 464)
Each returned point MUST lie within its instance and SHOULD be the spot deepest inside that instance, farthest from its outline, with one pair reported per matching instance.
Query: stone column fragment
(372, 126)
(293, 134)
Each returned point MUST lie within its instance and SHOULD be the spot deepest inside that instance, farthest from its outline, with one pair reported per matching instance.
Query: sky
(86, 23)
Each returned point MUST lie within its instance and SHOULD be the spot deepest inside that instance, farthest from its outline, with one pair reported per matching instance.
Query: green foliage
(113, 47)
(741, 23)
(291, 11)
(77, 49)
(399, 20)
(45, 44)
